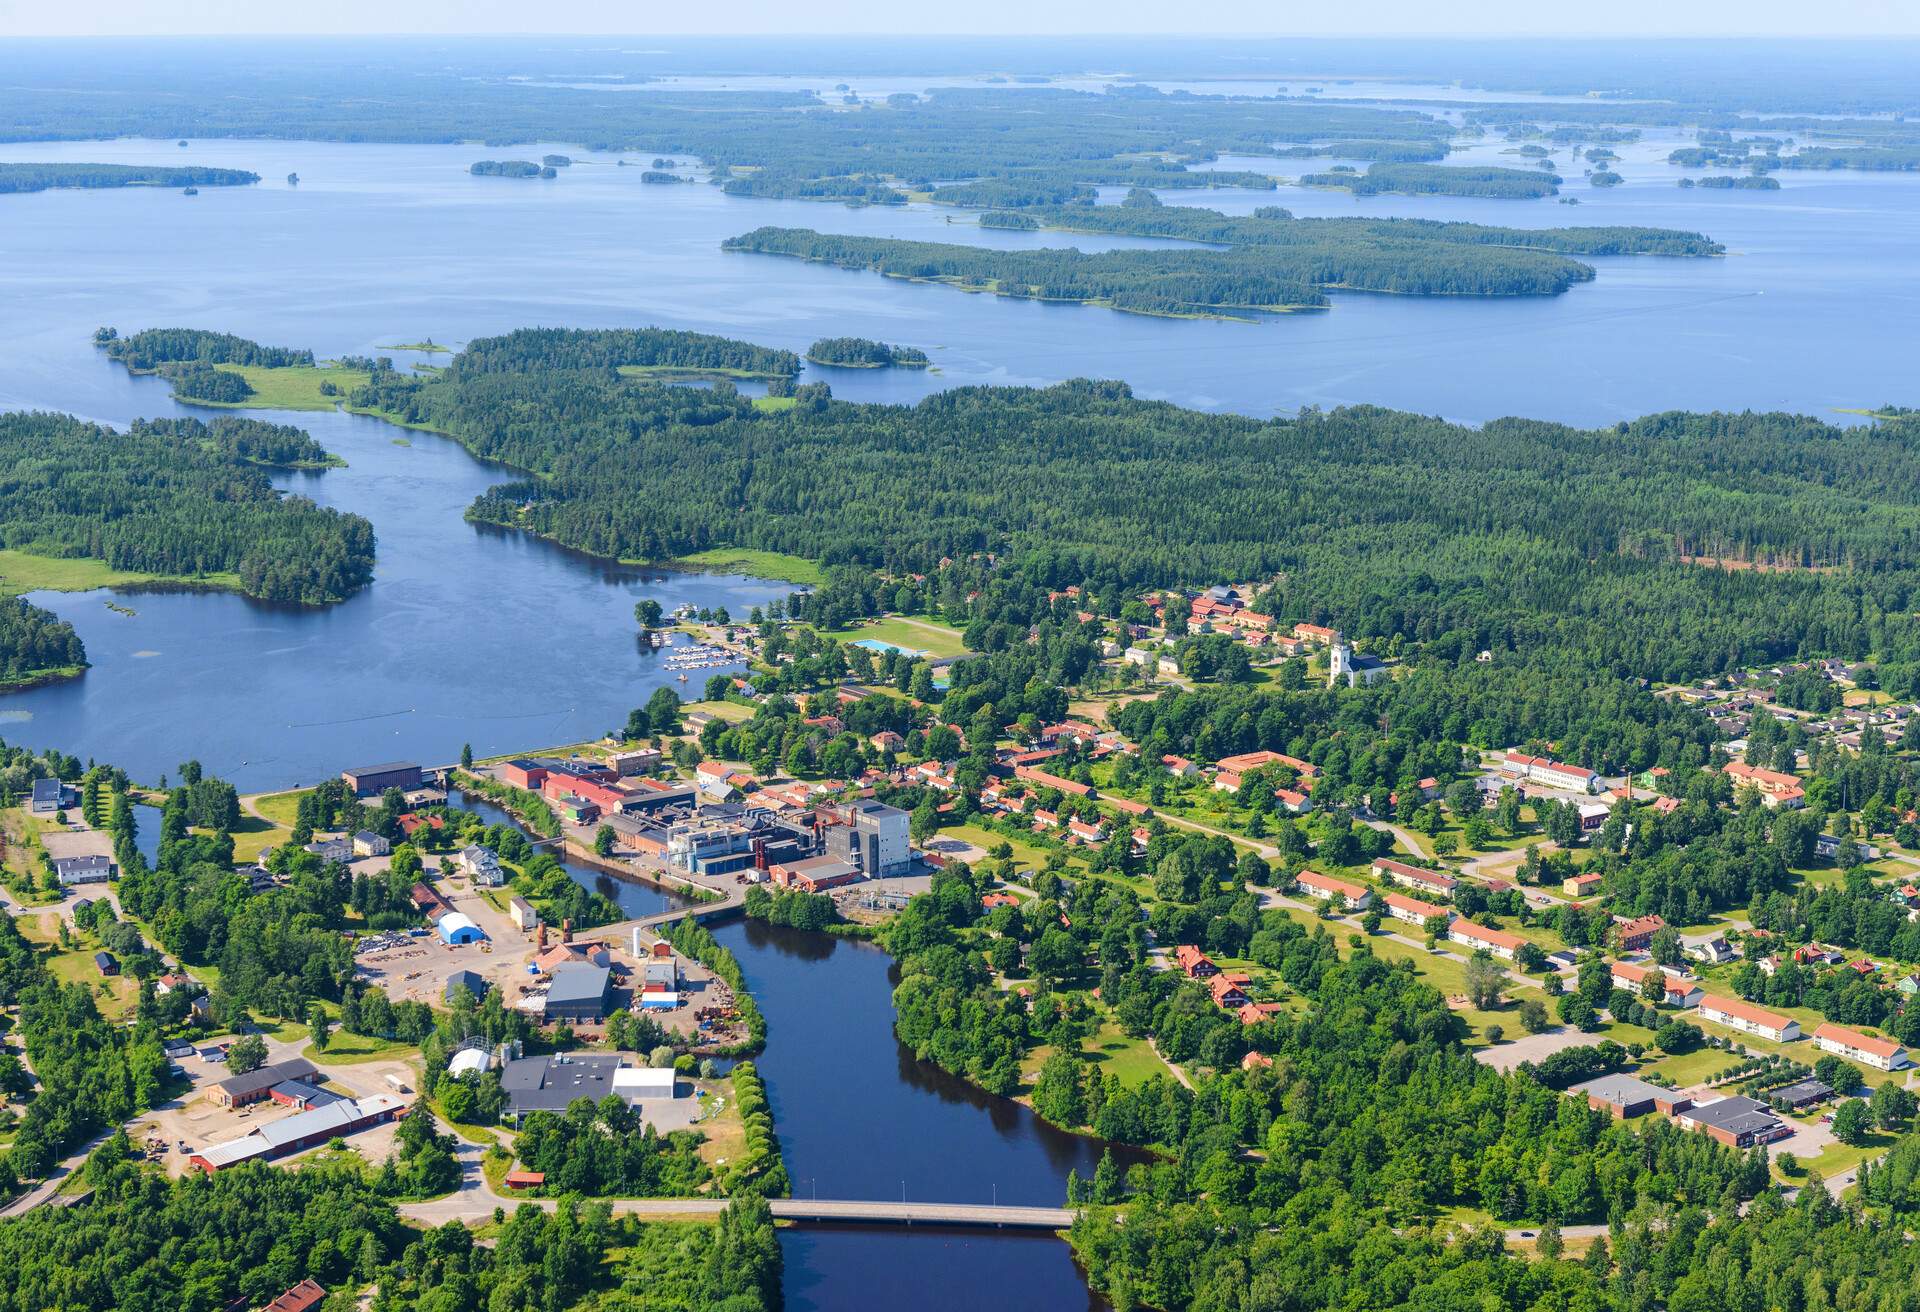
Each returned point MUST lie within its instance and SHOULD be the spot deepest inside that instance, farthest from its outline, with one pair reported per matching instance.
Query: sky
(1463, 18)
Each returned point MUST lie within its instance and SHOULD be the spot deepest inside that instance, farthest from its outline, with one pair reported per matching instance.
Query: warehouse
(240, 1090)
(578, 992)
(302, 1131)
(372, 780)
(457, 927)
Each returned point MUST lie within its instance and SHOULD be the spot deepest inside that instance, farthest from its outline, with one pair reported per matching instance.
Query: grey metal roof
(387, 768)
(265, 1077)
(550, 1084)
(578, 981)
(1624, 1090)
(1736, 1115)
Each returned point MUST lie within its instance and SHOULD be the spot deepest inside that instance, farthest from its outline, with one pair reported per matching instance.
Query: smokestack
(566, 930)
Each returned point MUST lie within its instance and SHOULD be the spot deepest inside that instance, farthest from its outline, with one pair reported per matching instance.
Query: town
(494, 980)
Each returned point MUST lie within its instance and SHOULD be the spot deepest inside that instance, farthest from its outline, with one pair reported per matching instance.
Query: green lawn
(1690, 1068)
(296, 387)
(1133, 1060)
(773, 404)
(281, 808)
(21, 572)
(1835, 1157)
(344, 1049)
(1025, 853)
(915, 634)
(731, 712)
(761, 564)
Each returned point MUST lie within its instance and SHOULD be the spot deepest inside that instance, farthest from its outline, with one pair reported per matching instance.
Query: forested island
(512, 168)
(1441, 180)
(1275, 261)
(45, 177)
(1271, 225)
(864, 353)
(189, 359)
(1730, 182)
(1521, 534)
(179, 499)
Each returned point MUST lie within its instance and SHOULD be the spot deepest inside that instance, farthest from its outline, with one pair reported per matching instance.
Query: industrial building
(240, 1090)
(305, 1130)
(372, 780)
(870, 835)
(552, 1084)
(578, 992)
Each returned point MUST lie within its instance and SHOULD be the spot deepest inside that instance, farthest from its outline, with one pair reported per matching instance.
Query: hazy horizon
(1483, 19)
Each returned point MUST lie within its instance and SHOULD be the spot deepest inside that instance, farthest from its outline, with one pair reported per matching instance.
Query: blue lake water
(473, 635)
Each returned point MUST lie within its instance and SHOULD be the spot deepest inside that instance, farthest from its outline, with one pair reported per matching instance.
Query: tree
(1852, 1122)
(646, 612)
(1892, 1106)
(1486, 981)
(1576, 1011)
(466, 756)
(317, 1023)
(603, 841)
(1533, 1016)
(1834, 1072)
(1666, 948)
(248, 1053)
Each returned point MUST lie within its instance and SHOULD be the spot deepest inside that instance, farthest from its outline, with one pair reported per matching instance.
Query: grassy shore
(22, 572)
(763, 564)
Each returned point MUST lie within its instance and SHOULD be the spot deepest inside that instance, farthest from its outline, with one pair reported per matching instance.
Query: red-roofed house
(1194, 962)
(1633, 976)
(1430, 881)
(1749, 1019)
(1881, 1054)
(1635, 935)
(1497, 941)
(303, 1297)
(1776, 789)
(1356, 896)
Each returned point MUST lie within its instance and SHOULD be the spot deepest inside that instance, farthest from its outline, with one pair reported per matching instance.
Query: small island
(1605, 178)
(512, 168)
(95, 177)
(557, 161)
(864, 353)
(657, 176)
(1440, 180)
(1730, 182)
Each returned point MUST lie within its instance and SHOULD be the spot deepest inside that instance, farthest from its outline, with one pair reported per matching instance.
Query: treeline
(1406, 241)
(245, 1236)
(861, 189)
(1727, 182)
(43, 177)
(1012, 193)
(511, 168)
(150, 348)
(278, 446)
(1145, 281)
(1529, 540)
(615, 348)
(864, 353)
(35, 642)
(1442, 180)
(176, 497)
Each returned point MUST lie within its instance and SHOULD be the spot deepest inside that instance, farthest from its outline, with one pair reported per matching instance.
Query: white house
(1356, 896)
(1496, 941)
(1881, 1054)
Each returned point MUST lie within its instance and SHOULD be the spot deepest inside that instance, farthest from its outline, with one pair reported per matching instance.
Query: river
(474, 636)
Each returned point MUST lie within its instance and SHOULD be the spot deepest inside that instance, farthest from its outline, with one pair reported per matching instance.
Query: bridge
(475, 1201)
(892, 1213)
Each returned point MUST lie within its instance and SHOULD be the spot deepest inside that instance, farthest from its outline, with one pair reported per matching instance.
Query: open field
(929, 636)
(762, 564)
(296, 387)
(21, 572)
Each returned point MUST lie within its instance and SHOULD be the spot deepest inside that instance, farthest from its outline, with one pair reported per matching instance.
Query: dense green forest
(35, 642)
(243, 1237)
(44, 177)
(150, 348)
(865, 353)
(643, 349)
(1260, 275)
(862, 189)
(1727, 182)
(1441, 180)
(1520, 537)
(177, 497)
(1407, 241)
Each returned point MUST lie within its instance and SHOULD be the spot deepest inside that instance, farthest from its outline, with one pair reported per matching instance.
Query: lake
(471, 635)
